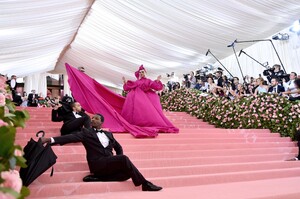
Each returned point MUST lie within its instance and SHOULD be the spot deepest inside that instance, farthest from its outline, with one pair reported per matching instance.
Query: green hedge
(265, 111)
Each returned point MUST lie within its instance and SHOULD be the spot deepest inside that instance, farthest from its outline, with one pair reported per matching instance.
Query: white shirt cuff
(52, 140)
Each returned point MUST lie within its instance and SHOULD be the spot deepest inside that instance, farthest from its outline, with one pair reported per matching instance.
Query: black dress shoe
(91, 178)
(148, 186)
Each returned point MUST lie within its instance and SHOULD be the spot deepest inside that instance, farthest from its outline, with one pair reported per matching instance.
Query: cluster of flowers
(265, 111)
(11, 155)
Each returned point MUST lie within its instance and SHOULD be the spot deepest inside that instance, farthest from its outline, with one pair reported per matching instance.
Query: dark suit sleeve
(281, 89)
(117, 147)
(30, 97)
(56, 116)
(270, 90)
(220, 82)
(71, 138)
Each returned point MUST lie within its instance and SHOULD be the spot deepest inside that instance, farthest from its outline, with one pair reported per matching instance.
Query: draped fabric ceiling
(112, 38)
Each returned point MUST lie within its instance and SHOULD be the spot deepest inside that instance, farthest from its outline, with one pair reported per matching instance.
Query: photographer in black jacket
(74, 118)
(274, 72)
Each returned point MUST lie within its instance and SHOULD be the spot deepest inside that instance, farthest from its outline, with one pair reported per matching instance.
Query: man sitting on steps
(102, 163)
(73, 120)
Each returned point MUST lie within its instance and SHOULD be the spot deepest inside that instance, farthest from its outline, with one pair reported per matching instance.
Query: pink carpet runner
(200, 162)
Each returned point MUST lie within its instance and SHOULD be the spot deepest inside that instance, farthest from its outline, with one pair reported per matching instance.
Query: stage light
(281, 36)
(295, 27)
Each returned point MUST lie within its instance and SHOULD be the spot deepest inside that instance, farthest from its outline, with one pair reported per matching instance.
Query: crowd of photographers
(217, 84)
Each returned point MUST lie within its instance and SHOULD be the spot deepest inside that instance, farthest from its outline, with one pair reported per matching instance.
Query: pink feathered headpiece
(137, 73)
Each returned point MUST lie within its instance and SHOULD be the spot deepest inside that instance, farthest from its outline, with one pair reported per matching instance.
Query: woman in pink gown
(140, 113)
(142, 105)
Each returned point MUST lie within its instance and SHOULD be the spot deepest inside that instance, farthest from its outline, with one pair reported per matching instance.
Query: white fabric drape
(37, 82)
(117, 36)
(289, 52)
(67, 89)
(33, 33)
(168, 35)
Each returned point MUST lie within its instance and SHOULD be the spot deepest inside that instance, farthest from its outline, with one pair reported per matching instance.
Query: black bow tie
(99, 130)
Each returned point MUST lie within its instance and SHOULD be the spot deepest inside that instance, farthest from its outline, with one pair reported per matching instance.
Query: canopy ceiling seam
(63, 52)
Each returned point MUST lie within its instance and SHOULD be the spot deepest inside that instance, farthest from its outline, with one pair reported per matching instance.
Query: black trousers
(116, 168)
(294, 98)
(75, 125)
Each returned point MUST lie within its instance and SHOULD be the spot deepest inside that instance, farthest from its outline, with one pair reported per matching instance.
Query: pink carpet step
(193, 140)
(162, 147)
(181, 125)
(66, 189)
(200, 156)
(77, 176)
(281, 188)
(71, 157)
(76, 165)
(195, 153)
(185, 130)
(42, 119)
(175, 137)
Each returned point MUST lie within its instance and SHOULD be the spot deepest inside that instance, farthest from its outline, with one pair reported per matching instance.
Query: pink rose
(9, 96)
(6, 196)
(18, 152)
(2, 99)
(12, 180)
(2, 123)
(2, 82)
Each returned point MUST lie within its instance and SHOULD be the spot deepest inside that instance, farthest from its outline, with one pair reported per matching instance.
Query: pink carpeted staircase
(200, 162)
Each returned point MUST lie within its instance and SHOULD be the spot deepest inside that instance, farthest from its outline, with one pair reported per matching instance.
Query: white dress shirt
(291, 87)
(103, 138)
(274, 89)
(76, 115)
(13, 83)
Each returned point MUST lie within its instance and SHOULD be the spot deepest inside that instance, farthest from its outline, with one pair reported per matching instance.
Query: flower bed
(11, 155)
(265, 111)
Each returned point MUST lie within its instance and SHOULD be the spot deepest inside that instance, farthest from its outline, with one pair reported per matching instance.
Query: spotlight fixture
(281, 36)
(295, 27)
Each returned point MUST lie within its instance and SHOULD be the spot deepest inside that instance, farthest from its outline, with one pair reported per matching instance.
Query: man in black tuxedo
(73, 119)
(219, 78)
(102, 163)
(275, 87)
(12, 83)
(17, 99)
(32, 99)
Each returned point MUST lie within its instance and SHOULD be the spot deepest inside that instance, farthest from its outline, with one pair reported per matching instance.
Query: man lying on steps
(102, 163)
(74, 119)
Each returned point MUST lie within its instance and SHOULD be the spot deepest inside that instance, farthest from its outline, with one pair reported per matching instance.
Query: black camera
(186, 77)
(65, 102)
(170, 75)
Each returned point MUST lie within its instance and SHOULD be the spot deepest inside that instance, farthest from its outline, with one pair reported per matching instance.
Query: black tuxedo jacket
(11, 88)
(30, 97)
(220, 82)
(280, 89)
(59, 115)
(95, 152)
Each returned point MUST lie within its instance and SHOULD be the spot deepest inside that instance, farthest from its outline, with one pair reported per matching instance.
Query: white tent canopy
(112, 38)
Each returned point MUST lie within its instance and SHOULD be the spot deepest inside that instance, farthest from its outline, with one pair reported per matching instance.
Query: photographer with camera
(192, 80)
(186, 81)
(172, 81)
(274, 72)
(33, 99)
(72, 115)
(219, 78)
